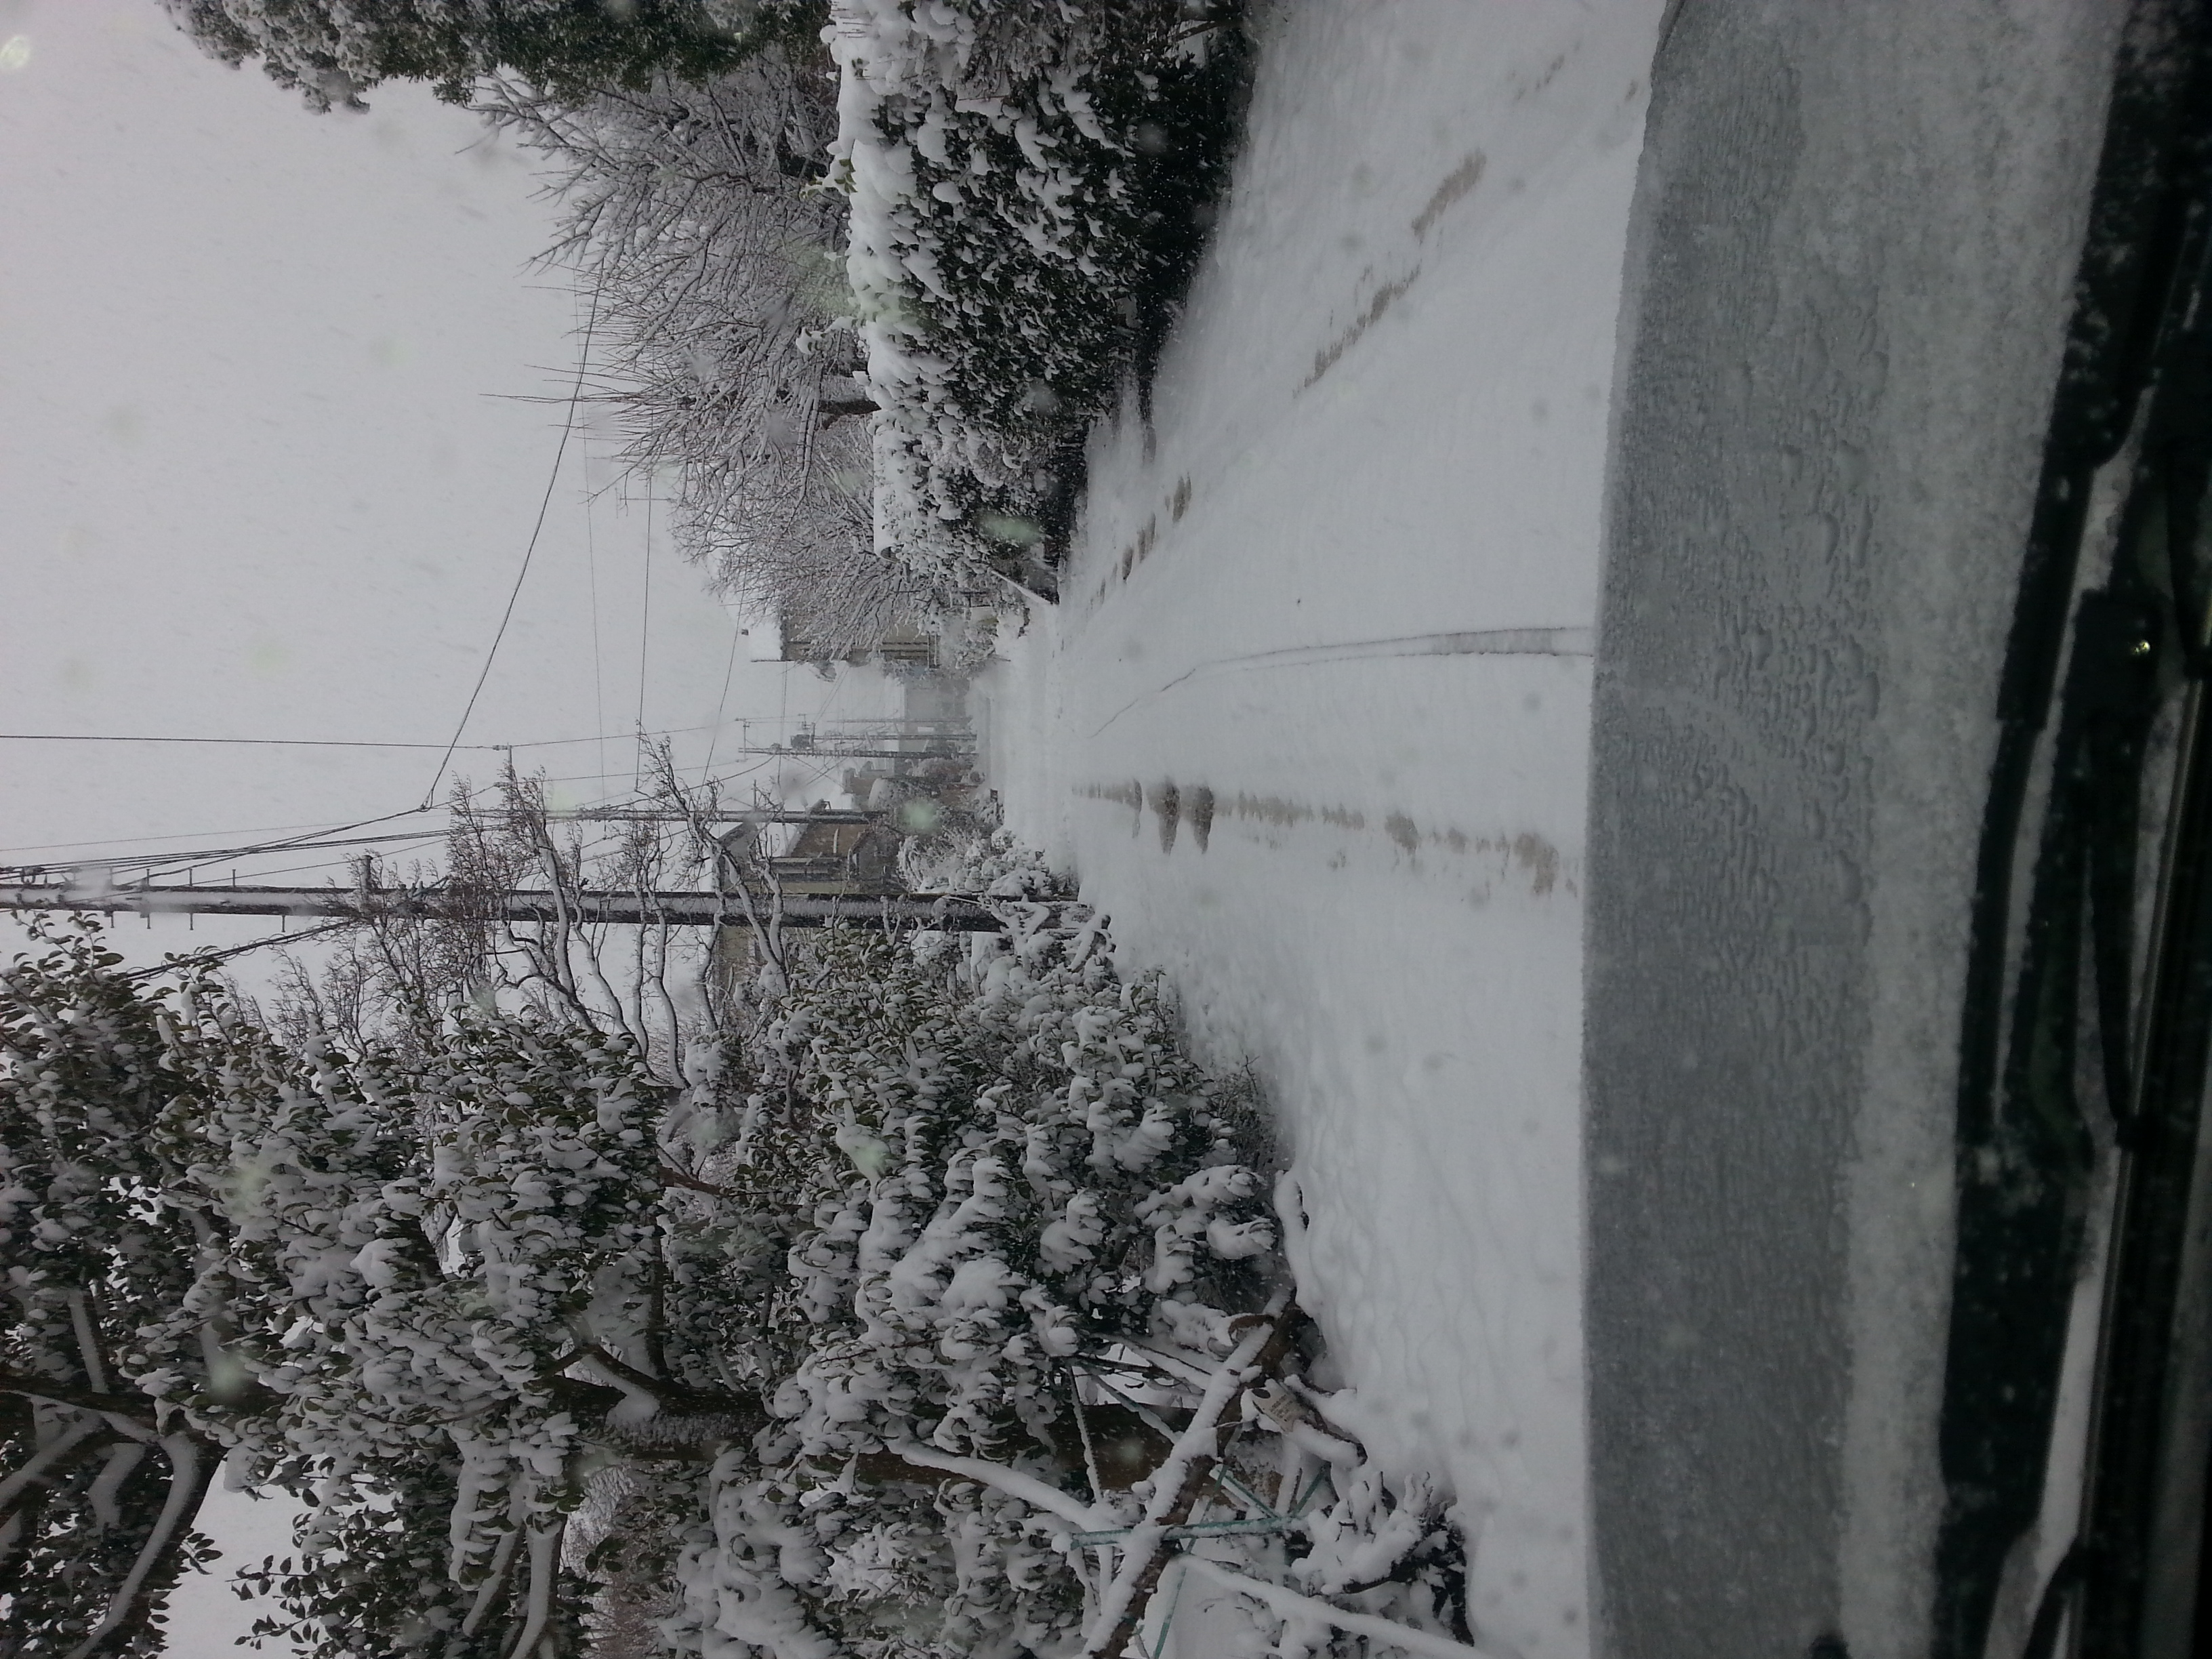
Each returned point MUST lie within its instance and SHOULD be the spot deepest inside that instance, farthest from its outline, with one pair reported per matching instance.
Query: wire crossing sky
(282, 395)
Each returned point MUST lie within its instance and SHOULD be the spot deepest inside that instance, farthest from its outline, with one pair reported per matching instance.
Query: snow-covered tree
(872, 1281)
(933, 1310)
(462, 1257)
(721, 344)
(437, 938)
(419, 1287)
(333, 50)
(973, 1181)
(116, 1361)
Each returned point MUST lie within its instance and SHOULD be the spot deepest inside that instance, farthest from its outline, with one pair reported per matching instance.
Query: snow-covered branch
(1011, 1481)
(1176, 1487)
(1291, 1605)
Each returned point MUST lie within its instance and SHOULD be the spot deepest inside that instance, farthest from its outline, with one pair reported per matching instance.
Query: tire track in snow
(1488, 642)
(1173, 804)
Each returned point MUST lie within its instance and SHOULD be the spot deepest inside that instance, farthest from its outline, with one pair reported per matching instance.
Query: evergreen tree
(945, 1255)
(115, 1358)
(334, 50)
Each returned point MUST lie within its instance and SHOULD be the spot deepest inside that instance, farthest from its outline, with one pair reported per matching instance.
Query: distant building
(905, 644)
(838, 858)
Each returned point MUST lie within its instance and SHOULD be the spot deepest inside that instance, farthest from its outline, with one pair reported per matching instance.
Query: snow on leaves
(1017, 177)
(969, 1241)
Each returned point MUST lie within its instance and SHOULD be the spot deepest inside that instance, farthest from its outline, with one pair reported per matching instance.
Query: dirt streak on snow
(1383, 424)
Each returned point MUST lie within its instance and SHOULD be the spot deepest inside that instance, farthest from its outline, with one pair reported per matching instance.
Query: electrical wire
(342, 743)
(311, 832)
(180, 835)
(301, 842)
(224, 953)
(313, 836)
(644, 635)
(722, 703)
(287, 743)
(568, 426)
(153, 872)
(591, 569)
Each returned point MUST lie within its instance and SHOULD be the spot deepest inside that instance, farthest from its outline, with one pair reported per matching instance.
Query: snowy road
(1311, 719)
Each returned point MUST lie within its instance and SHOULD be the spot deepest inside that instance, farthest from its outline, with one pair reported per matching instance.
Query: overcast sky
(268, 462)
(268, 469)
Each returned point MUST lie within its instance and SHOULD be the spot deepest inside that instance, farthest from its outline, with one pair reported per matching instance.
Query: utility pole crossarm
(952, 914)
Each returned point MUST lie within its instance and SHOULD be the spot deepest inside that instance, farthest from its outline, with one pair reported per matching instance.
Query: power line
(224, 953)
(154, 863)
(687, 908)
(729, 669)
(568, 425)
(349, 743)
(153, 870)
(560, 743)
(180, 835)
(288, 743)
(307, 841)
(309, 831)
(291, 842)
(644, 634)
(591, 569)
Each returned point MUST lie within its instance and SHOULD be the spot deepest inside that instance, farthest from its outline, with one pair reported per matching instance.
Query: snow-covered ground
(1312, 721)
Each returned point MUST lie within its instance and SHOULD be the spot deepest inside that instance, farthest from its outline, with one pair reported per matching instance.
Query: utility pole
(624, 815)
(950, 913)
(820, 752)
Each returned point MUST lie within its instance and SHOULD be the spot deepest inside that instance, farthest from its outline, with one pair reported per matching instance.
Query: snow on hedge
(1007, 168)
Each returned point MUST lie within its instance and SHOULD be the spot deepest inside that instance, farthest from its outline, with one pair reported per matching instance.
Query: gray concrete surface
(1847, 283)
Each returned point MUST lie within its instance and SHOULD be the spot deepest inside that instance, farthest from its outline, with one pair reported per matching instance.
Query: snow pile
(1006, 167)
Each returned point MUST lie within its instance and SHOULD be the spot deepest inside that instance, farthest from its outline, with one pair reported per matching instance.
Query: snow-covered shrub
(965, 858)
(1026, 182)
(973, 1172)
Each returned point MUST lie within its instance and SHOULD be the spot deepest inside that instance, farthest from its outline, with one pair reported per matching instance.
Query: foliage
(973, 854)
(975, 1172)
(822, 1334)
(102, 1090)
(460, 1255)
(331, 51)
(1030, 184)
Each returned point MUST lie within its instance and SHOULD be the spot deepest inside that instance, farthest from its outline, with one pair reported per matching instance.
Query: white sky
(262, 471)
(262, 474)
